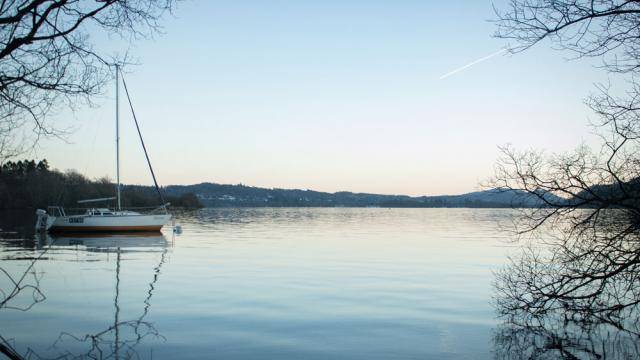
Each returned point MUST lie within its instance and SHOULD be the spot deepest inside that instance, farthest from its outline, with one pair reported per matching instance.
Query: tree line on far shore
(30, 184)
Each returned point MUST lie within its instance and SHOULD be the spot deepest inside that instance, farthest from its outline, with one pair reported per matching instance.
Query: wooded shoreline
(29, 185)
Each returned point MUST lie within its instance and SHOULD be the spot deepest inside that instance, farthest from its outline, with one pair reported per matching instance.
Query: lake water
(286, 283)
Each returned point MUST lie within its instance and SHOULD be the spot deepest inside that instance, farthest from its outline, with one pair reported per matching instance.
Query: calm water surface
(333, 283)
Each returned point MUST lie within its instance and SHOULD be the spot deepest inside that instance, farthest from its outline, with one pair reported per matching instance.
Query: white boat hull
(84, 223)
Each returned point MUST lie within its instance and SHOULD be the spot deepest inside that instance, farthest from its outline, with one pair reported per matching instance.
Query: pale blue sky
(330, 95)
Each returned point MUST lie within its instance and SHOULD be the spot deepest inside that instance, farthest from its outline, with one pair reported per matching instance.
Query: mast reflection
(119, 339)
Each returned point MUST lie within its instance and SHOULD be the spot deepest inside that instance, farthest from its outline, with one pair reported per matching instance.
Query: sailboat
(101, 219)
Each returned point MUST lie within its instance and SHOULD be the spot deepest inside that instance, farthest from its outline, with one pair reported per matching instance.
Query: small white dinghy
(103, 219)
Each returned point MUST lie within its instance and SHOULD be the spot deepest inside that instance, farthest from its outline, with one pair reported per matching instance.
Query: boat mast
(118, 138)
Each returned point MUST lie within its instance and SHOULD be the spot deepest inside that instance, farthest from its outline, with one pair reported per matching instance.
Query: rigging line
(147, 301)
(153, 175)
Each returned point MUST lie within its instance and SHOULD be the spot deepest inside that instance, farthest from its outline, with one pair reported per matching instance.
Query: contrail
(472, 63)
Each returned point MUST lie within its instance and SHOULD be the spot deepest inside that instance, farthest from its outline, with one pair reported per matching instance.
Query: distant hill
(218, 195)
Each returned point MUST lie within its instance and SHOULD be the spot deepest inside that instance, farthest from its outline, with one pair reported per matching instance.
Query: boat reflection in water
(120, 337)
(153, 241)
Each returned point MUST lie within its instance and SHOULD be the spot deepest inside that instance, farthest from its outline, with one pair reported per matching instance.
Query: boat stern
(44, 221)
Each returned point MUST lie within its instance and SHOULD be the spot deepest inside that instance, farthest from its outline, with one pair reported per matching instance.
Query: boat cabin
(99, 212)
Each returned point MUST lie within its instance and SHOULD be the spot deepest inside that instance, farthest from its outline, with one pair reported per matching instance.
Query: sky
(402, 97)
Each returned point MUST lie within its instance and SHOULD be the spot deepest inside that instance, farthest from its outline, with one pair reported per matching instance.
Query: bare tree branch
(47, 61)
(583, 265)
